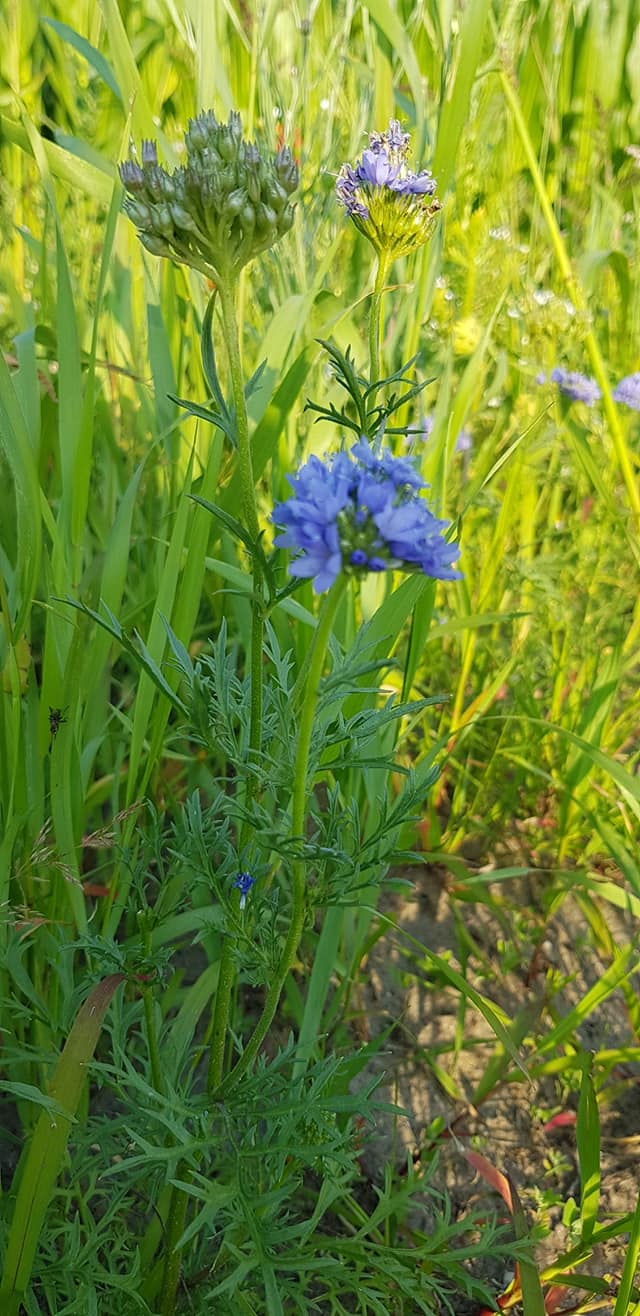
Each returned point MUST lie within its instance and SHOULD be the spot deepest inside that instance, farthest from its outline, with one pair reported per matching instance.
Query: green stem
(152, 1040)
(375, 315)
(173, 1255)
(576, 294)
(228, 296)
(221, 1010)
(319, 646)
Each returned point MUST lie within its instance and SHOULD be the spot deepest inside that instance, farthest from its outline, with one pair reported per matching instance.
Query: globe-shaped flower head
(359, 512)
(394, 207)
(220, 209)
(628, 391)
(577, 387)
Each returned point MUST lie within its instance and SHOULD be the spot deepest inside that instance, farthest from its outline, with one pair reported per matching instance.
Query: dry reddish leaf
(553, 1298)
(495, 1178)
(565, 1119)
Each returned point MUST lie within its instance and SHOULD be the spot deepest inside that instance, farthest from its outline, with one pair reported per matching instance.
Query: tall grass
(108, 565)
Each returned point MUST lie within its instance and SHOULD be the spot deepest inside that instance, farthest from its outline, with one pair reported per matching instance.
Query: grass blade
(588, 1136)
(44, 1159)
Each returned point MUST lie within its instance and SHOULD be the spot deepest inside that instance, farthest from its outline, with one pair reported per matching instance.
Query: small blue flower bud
(138, 212)
(265, 217)
(244, 883)
(181, 218)
(253, 186)
(149, 151)
(155, 176)
(132, 176)
(285, 221)
(161, 220)
(168, 187)
(236, 201)
(156, 245)
(274, 194)
(287, 170)
(227, 145)
(197, 135)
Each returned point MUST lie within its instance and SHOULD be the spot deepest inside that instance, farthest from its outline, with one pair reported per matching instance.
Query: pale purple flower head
(393, 206)
(580, 388)
(628, 391)
(359, 512)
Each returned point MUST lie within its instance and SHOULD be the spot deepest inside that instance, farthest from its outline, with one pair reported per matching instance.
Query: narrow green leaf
(18, 453)
(40, 1170)
(618, 970)
(455, 107)
(392, 28)
(588, 1139)
(629, 1269)
(78, 174)
(89, 52)
(532, 1295)
(129, 81)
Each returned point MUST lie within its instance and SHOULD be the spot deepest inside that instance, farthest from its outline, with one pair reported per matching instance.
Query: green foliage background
(530, 267)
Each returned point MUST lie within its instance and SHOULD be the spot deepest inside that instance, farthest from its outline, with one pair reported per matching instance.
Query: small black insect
(56, 718)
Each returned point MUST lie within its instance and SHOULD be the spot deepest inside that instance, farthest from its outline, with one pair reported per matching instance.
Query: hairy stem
(319, 645)
(375, 316)
(173, 1256)
(228, 299)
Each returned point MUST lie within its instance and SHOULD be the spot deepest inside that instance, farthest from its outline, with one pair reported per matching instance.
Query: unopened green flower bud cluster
(220, 209)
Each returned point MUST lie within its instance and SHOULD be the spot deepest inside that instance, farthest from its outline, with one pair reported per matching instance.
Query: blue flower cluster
(383, 165)
(359, 512)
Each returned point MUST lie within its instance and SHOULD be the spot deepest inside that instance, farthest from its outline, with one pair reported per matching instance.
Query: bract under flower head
(628, 391)
(580, 388)
(220, 209)
(390, 204)
(358, 512)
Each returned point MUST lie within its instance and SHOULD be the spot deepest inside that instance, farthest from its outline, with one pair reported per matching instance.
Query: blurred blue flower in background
(463, 443)
(359, 512)
(628, 391)
(580, 388)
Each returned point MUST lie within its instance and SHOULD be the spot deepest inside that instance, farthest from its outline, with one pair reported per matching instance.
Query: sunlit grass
(536, 648)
